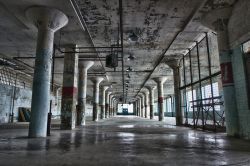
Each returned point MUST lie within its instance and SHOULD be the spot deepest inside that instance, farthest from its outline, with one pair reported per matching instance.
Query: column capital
(46, 17)
(217, 19)
(145, 91)
(86, 64)
(172, 62)
(151, 88)
(141, 95)
(105, 87)
(97, 80)
(160, 80)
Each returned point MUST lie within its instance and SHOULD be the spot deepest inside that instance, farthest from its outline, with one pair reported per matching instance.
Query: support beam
(151, 100)
(82, 91)
(110, 105)
(104, 88)
(160, 81)
(69, 90)
(146, 103)
(174, 64)
(96, 81)
(107, 104)
(48, 21)
(218, 20)
(138, 106)
(142, 104)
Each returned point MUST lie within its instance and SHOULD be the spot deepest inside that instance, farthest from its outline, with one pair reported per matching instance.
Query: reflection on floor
(123, 141)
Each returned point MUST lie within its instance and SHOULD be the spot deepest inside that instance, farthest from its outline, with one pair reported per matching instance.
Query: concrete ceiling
(164, 28)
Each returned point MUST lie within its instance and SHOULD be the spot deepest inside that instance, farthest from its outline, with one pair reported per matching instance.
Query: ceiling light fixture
(133, 37)
(129, 69)
(131, 57)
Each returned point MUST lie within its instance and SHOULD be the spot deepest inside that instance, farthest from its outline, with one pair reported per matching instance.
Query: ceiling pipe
(121, 33)
(190, 18)
(83, 23)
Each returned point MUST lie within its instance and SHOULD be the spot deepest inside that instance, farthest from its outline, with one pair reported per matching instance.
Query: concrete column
(136, 107)
(107, 104)
(151, 100)
(174, 64)
(146, 103)
(139, 106)
(115, 107)
(82, 91)
(69, 89)
(113, 110)
(96, 81)
(113, 103)
(104, 88)
(48, 21)
(142, 104)
(160, 81)
(218, 21)
(110, 105)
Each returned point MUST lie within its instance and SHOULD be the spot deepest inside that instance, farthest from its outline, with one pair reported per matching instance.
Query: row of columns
(48, 21)
(146, 98)
(145, 102)
(217, 20)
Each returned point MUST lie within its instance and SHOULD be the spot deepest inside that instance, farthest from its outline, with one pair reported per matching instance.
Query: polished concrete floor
(122, 141)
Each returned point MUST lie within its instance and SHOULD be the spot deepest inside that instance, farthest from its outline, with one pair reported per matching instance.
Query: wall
(128, 106)
(239, 32)
(89, 111)
(241, 92)
(239, 23)
(22, 99)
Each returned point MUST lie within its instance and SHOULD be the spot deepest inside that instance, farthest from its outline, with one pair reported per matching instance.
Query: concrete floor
(123, 141)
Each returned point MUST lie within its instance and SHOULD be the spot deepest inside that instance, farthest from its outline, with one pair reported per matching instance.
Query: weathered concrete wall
(89, 111)
(239, 24)
(22, 99)
(239, 32)
(241, 92)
